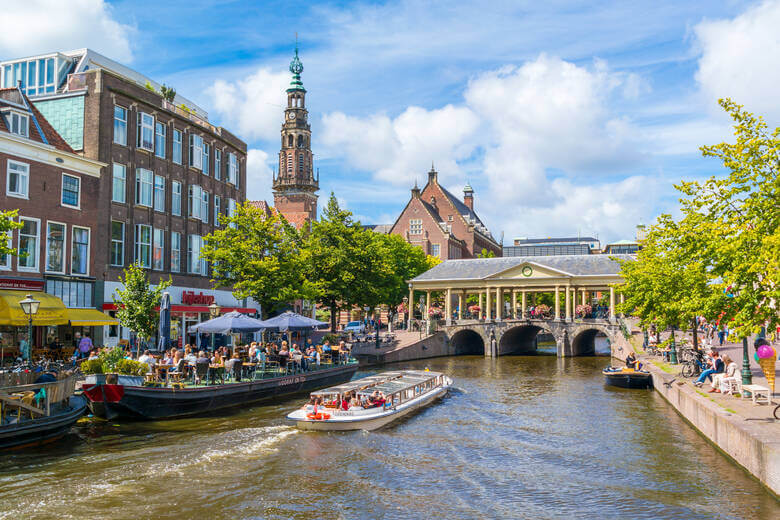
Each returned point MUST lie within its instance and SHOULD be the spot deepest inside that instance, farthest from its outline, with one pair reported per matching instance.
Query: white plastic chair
(732, 385)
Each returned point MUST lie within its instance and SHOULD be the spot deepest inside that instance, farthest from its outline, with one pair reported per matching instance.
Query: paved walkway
(401, 340)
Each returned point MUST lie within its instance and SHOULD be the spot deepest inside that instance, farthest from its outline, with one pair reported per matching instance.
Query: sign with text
(190, 298)
(21, 285)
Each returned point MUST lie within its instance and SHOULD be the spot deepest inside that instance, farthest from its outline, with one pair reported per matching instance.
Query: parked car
(355, 326)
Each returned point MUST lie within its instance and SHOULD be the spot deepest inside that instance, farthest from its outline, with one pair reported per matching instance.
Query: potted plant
(111, 367)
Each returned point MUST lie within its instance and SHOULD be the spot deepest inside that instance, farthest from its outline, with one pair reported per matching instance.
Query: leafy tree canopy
(137, 302)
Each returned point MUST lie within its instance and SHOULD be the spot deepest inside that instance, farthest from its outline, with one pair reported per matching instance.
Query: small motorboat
(400, 394)
(627, 377)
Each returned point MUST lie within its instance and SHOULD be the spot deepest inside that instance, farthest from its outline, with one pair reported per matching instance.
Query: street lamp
(377, 311)
(213, 312)
(406, 309)
(30, 308)
(747, 375)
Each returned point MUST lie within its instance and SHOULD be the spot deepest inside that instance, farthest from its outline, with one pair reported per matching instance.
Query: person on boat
(189, 357)
(343, 351)
(147, 358)
(252, 350)
(631, 361)
(284, 355)
(326, 347)
(93, 354)
(354, 403)
(217, 359)
(202, 358)
(167, 358)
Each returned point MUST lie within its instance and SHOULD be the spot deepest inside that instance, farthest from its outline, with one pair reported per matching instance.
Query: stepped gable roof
(14, 98)
(479, 268)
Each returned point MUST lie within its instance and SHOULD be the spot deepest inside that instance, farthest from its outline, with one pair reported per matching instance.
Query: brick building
(56, 193)
(170, 175)
(443, 225)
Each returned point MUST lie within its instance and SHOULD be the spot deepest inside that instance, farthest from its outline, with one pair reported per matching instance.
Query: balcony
(182, 111)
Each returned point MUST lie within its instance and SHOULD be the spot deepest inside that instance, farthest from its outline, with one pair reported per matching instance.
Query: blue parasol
(289, 320)
(228, 323)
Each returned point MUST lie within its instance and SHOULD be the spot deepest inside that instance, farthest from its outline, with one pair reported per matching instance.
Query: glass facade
(547, 250)
(74, 294)
(37, 76)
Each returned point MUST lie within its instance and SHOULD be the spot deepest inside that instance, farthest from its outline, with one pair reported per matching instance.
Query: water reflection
(519, 437)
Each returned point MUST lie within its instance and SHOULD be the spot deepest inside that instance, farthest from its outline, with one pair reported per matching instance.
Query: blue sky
(565, 117)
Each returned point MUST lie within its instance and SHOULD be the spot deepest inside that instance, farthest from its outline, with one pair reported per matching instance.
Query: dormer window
(17, 123)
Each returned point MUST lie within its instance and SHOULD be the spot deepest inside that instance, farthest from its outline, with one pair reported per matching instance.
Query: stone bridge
(518, 336)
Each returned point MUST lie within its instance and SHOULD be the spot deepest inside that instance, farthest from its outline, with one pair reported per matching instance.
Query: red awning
(193, 308)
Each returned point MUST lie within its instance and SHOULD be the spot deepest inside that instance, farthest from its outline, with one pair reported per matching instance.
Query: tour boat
(137, 399)
(627, 377)
(35, 414)
(404, 391)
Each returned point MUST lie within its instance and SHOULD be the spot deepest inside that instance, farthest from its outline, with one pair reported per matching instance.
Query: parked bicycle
(693, 363)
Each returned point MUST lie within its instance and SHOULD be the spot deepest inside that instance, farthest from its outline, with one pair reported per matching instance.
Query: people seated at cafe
(235, 358)
(147, 358)
(217, 359)
(728, 373)
(167, 358)
(284, 354)
(252, 350)
(354, 403)
(326, 348)
(93, 354)
(189, 357)
(312, 356)
(715, 366)
(202, 358)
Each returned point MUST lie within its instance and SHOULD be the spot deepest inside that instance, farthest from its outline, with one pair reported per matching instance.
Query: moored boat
(627, 377)
(397, 394)
(157, 401)
(35, 414)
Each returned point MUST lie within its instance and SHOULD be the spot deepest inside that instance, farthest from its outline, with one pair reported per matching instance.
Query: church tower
(295, 187)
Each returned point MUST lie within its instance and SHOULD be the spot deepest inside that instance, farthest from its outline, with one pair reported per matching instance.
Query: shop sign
(21, 285)
(190, 298)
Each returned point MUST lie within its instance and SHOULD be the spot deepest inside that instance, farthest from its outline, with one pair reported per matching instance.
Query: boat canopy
(405, 382)
(359, 384)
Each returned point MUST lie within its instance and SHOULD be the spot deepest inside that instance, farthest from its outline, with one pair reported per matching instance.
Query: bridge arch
(520, 339)
(584, 341)
(467, 342)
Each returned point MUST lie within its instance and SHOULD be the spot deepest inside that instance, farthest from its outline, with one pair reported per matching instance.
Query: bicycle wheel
(777, 412)
(687, 370)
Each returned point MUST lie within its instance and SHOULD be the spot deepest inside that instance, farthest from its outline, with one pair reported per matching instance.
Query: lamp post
(747, 375)
(646, 340)
(377, 311)
(213, 312)
(673, 351)
(406, 308)
(30, 308)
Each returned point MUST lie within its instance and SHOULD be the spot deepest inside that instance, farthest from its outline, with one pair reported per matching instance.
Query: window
(143, 245)
(55, 247)
(194, 243)
(71, 191)
(72, 293)
(435, 250)
(231, 210)
(176, 198)
(206, 149)
(160, 132)
(232, 169)
(17, 123)
(195, 201)
(119, 186)
(143, 187)
(175, 251)
(117, 243)
(177, 146)
(158, 251)
(79, 258)
(145, 131)
(18, 179)
(217, 164)
(29, 236)
(415, 226)
(159, 193)
(204, 207)
(216, 210)
(300, 163)
(5, 260)
(120, 125)
(196, 151)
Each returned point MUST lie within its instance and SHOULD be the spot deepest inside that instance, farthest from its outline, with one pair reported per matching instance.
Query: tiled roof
(262, 206)
(461, 207)
(526, 241)
(379, 228)
(14, 97)
(479, 268)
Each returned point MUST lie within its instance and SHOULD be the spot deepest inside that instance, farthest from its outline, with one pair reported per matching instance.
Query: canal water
(519, 437)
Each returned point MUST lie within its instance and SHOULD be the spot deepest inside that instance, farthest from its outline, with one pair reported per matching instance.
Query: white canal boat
(383, 398)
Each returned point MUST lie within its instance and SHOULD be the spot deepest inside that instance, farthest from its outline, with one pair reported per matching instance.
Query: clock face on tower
(291, 116)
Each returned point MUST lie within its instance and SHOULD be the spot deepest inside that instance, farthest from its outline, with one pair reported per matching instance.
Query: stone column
(612, 304)
(427, 304)
(568, 303)
(481, 305)
(410, 306)
(461, 302)
(487, 303)
(448, 307)
(513, 314)
(557, 303)
(523, 304)
(499, 303)
(584, 293)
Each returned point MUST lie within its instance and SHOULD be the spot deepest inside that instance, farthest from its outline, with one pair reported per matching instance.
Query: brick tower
(295, 188)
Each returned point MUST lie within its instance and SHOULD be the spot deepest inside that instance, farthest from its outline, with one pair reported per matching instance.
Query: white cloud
(259, 176)
(37, 26)
(253, 106)
(399, 149)
(739, 59)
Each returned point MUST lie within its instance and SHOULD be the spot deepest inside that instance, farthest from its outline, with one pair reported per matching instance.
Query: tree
(7, 225)
(169, 93)
(259, 256)
(137, 302)
(486, 254)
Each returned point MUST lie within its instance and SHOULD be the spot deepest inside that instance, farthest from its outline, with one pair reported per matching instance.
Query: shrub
(110, 358)
(92, 366)
(131, 367)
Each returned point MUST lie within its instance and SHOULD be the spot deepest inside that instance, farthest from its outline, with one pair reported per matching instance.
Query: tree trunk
(333, 312)
(695, 335)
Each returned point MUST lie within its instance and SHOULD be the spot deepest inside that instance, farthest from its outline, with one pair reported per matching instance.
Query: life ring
(318, 416)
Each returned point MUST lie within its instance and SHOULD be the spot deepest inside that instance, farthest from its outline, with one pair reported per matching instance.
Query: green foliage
(168, 93)
(92, 366)
(260, 257)
(130, 367)
(8, 224)
(486, 254)
(149, 86)
(136, 303)
(185, 108)
(727, 242)
(110, 358)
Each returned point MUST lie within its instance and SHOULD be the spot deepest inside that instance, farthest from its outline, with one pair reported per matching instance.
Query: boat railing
(36, 398)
